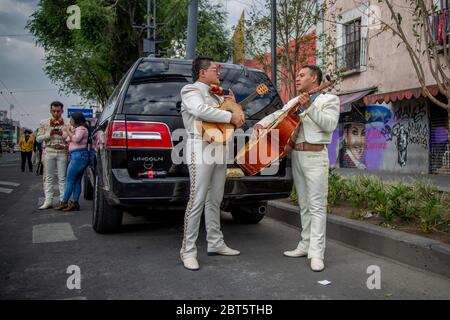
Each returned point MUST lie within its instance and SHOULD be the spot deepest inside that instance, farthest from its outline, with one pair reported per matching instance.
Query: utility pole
(192, 29)
(150, 41)
(273, 29)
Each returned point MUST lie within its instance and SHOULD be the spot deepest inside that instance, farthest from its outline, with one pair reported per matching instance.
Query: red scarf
(55, 123)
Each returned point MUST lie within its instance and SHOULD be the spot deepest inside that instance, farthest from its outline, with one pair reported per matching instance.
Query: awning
(347, 99)
(400, 95)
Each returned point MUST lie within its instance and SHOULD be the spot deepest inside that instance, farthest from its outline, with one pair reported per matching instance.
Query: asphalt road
(142, 261)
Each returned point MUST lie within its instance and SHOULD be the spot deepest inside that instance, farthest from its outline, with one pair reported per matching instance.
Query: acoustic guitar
(222, 132)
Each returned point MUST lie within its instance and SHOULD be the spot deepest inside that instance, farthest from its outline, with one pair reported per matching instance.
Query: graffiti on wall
(383, 137)
(353, 140)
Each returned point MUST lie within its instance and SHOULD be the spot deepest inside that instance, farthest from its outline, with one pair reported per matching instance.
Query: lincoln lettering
(148, 158)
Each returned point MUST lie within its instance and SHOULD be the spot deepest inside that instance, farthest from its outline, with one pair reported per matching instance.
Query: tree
(423, 43)
(90, 61)
(295, 20)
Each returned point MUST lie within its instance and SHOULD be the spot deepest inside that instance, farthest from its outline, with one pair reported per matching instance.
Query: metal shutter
(439, 143)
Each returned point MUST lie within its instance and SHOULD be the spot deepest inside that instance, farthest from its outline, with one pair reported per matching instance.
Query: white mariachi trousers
(310, 171)
(54, 160)
(207, 172)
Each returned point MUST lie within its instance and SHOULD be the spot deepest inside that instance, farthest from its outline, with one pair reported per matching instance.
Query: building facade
(386, 122)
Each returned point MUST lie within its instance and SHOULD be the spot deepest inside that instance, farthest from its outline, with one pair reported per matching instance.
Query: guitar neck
(249, 99)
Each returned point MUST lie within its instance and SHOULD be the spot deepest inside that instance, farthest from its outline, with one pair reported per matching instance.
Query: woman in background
(77, 137)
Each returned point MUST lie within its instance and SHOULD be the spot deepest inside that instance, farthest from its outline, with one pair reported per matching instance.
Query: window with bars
(350, 55)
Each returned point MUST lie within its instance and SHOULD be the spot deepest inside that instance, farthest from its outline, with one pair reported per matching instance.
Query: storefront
(398, 132)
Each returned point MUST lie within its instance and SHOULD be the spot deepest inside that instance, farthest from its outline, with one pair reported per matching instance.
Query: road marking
(5, 190)
(75, 298)
(7, 183)
(53, 232)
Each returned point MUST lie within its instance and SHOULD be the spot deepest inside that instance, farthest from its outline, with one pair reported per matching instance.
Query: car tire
(88, 191)
(105, 218)
(249, 214)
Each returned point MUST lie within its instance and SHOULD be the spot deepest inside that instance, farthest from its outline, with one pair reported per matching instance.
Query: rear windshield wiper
(160, 78)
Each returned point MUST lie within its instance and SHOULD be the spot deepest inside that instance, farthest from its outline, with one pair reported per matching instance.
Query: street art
(383, 137)
(353, 144)
(400, 132)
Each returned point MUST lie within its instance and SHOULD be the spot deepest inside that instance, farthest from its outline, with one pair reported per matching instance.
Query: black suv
(139, 129)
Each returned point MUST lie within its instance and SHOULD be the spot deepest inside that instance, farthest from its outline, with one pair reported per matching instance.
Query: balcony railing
(351, 56)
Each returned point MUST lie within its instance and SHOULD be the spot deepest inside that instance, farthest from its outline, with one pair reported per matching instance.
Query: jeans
(79, 160)
(26, 156)
(54, 160)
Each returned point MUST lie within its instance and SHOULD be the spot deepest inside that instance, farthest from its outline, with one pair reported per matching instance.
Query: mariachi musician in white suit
(310, 163)
(207, 175)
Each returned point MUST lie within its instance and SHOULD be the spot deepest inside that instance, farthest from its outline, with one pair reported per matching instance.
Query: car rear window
(155, 88)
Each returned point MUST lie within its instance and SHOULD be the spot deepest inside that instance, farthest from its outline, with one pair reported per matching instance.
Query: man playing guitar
(310, 163)
(207, 176)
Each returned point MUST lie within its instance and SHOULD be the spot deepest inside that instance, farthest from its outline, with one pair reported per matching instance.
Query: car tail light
(140, 134)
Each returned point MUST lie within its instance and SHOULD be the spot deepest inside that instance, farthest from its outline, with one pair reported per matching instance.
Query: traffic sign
(87, 112)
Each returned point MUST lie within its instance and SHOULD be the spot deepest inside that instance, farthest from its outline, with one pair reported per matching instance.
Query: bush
(336, 187)
(403, 201)
(430, 204)
(421, 200)
(293, 195)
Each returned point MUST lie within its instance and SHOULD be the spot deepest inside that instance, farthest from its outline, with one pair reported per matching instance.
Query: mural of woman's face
(355, 138)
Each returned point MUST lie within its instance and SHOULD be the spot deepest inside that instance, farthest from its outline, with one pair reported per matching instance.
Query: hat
(353, 116)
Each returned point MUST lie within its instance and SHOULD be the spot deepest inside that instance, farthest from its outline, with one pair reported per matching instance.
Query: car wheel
(105, 218)
(249, 214)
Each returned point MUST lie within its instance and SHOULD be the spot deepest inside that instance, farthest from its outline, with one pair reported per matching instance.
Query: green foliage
(430, 203)
(91, 61)
(335, 188)
(403, 200)
(295, 19)
(293, 195)
(419, 201)
(355, 191)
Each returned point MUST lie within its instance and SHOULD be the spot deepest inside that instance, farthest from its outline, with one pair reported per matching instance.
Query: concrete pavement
(142, 261)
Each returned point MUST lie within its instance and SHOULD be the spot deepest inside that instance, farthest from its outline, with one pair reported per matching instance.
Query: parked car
(6, 147)
(146, 104)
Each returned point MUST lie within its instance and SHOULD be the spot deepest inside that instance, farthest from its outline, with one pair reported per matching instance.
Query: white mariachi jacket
(52, 142)
(318, 121)
(198, 104)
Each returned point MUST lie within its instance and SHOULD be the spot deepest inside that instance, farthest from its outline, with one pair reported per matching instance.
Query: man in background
(26, 143)
(56, 155)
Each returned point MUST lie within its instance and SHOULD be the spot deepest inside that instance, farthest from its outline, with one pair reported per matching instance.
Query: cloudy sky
(21, 63)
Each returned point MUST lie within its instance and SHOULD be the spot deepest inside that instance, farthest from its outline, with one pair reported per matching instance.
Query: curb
(417, 251)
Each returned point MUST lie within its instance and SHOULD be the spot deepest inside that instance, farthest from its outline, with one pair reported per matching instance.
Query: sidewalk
(414, 250)
(441, 181)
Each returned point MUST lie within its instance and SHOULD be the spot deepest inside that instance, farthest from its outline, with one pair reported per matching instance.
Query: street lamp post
(192, 29)
(273, 28)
